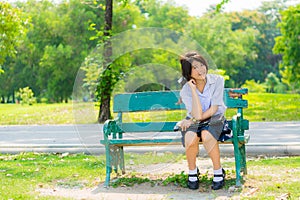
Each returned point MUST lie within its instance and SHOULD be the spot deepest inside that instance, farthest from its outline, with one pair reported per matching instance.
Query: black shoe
(194, 185)
(216, 185)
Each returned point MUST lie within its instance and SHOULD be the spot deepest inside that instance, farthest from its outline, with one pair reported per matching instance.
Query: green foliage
(56, 44)
(58, 40)
(220, 5)
(271, 82)
(221, 72)
(228, 48)
(177, 179)
(26, 96)
(12, 30)
(56, 64)
(254, 86)
(288, 45)
(130, 181)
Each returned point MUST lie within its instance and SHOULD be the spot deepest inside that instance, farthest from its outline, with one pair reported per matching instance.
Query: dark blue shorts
(214, 128)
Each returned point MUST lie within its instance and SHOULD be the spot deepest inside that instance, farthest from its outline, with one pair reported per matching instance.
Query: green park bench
(114, 131)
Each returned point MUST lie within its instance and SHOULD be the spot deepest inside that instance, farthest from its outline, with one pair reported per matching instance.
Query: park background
(44, 44)
(256, 48)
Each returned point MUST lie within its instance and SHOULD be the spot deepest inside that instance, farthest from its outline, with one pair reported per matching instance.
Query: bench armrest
(230, 98)
(111, 127)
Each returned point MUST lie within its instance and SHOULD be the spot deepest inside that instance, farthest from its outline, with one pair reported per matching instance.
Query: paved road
(266, 138)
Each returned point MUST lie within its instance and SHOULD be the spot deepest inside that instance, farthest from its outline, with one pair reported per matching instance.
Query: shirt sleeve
(186, 98)
(217, 95)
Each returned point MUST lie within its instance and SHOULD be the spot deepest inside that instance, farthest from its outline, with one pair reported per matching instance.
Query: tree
(265, 61)
(12, 30)
(105, 87)
(289, 46)
(157, 15)
(56, 43)
(230, 49)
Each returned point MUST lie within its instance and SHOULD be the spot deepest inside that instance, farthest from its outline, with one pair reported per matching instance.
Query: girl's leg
(191, 148)
(212, 148)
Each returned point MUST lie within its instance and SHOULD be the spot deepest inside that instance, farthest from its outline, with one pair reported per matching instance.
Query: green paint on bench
(147, 101)
(162, 141)
(113, 130)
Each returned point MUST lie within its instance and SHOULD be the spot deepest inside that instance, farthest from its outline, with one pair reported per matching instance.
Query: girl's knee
(206, 136)
(209, 142)
(191, 139)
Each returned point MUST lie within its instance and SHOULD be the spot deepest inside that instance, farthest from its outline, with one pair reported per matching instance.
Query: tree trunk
(104, 112)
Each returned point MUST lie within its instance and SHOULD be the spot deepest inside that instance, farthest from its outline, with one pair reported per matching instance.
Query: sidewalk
(266, 138)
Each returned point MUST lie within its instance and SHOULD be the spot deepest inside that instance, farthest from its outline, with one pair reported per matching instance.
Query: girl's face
(198, 71)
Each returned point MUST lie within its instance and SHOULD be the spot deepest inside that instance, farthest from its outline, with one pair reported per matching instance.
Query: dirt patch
(139, 192)
(146, 191)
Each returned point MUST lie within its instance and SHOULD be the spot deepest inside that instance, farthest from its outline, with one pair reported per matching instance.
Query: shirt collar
(211, 79)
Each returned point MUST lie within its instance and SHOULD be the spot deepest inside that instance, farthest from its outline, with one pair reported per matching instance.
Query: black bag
(226, 132)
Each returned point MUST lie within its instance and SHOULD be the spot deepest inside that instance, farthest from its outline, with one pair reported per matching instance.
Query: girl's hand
(185, 124)
(192, 83)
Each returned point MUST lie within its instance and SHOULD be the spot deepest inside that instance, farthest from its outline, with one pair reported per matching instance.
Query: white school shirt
(212, 95)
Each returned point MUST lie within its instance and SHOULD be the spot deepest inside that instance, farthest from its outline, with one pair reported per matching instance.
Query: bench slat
(148, 126)
(161, 141)
(162, 126)
(165, 100)
(147, 101)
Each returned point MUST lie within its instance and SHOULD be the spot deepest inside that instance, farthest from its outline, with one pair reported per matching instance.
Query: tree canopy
(12, 30)
(50, 42)
(288, 44)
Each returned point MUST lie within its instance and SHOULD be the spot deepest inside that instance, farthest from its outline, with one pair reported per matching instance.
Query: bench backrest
(166, 100)
(163, 100)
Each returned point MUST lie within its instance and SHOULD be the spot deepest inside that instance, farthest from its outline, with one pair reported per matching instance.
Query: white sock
(193, 172)
(218, 171)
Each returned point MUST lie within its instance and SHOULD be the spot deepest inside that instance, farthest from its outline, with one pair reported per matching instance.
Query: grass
(273, 177)
(22, 174)
(261, 107)
(42, 114)
(273, 107)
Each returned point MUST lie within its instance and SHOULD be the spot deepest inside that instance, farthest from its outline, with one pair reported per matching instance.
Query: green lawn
(22, 174)
(262, 107)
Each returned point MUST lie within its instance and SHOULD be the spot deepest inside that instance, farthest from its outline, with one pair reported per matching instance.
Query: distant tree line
(255, 48)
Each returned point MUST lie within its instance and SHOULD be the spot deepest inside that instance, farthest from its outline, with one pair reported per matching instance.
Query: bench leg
(242, 150)
(240, 161)
(122, 163)
(108, 166)
(114, 160)
(107, 179)
(116, 154)
(237, 157)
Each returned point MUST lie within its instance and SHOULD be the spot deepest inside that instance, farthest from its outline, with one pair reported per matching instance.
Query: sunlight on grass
(22, 174)
(261, 107)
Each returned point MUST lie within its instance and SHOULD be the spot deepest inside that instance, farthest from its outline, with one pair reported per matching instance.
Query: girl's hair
(186, 63)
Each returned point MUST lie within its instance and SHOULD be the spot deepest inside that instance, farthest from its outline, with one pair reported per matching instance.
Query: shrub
(254, 86)
(26, 96)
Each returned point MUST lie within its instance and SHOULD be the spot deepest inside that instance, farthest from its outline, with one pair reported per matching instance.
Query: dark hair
(186, 63)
